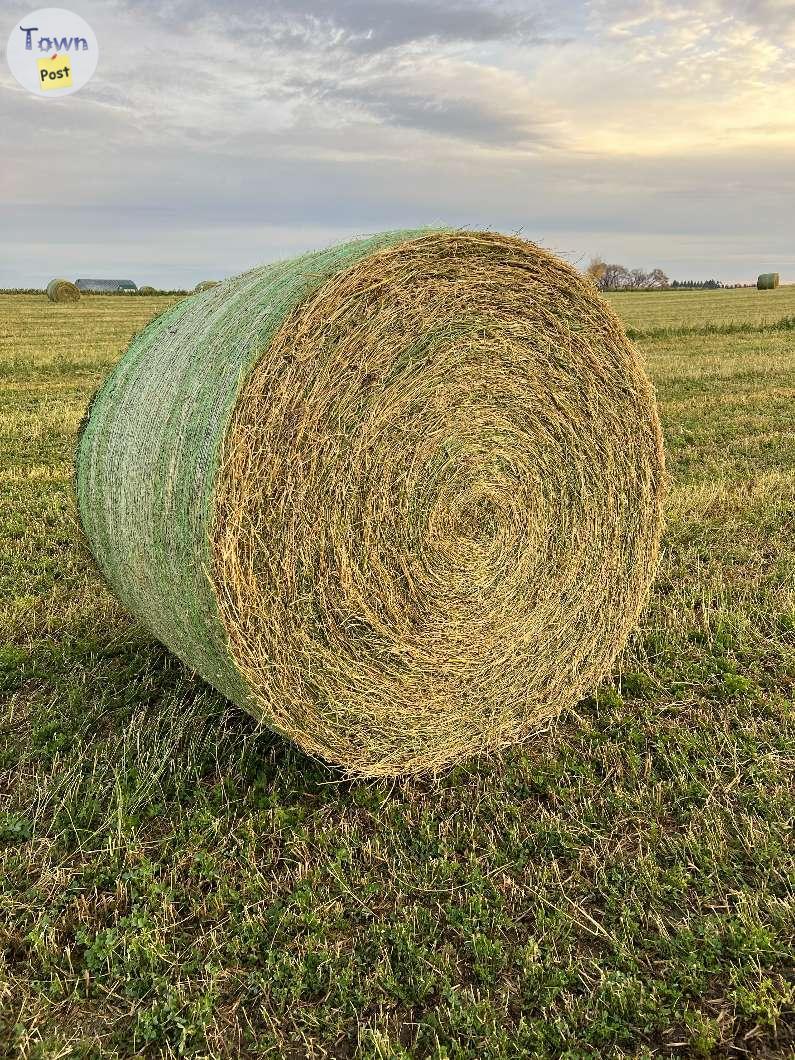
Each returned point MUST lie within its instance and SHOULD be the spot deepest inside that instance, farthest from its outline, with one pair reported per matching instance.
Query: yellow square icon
(55, 72)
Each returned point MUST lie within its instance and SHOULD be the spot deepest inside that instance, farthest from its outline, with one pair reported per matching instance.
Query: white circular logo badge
(52, 52)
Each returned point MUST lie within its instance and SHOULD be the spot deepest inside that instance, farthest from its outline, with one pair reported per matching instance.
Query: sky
(217, 136)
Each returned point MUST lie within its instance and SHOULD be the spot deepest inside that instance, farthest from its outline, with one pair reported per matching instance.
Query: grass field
(175, 882)
(651, 310)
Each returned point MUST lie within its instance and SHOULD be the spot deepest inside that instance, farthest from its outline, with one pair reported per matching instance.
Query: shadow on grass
(111, 732)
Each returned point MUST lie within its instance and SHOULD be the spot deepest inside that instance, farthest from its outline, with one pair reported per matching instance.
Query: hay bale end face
(400, 499)
(146, 289)
(768, 281)
(62, 291)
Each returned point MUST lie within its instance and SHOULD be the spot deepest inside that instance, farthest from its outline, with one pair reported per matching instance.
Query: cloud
(659, 78)
(775, 19)
(221, 82)
(449, 99)
(237, 133)
(363, 25)
(715, 40)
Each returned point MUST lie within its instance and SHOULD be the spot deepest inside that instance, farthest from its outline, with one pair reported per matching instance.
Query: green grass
(176, 882)
(648, 310)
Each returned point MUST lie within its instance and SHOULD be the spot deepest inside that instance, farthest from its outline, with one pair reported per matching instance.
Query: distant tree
(615, 278)
(657, 279)
(596, 270)
(697, 285)
(638, 279)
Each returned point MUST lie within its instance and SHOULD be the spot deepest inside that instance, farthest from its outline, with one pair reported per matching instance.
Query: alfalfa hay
(400, 499)
(62, 291)
(767, 281)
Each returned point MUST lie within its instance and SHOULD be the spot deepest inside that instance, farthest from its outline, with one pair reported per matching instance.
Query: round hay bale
(147, 290)
(768, 281)
(400, 499)
(205, 285)
(62, 291)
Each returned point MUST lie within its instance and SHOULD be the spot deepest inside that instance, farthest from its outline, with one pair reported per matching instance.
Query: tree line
(616, 277)
(709, 285)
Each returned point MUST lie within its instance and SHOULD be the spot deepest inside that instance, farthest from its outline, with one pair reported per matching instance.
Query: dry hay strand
(401, 499)
(768, 281)
(62, 291)
(206, 285)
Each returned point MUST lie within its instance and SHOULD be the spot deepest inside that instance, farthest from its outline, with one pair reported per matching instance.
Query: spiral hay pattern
(62, 291)
(400, 499)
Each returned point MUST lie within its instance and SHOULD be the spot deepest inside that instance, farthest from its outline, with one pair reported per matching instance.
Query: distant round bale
(147, 290)
(205, 285)
(400, 499)
(62, 291)
(768, 281)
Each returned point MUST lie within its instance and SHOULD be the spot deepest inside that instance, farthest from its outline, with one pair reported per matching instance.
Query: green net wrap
(149, 451)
